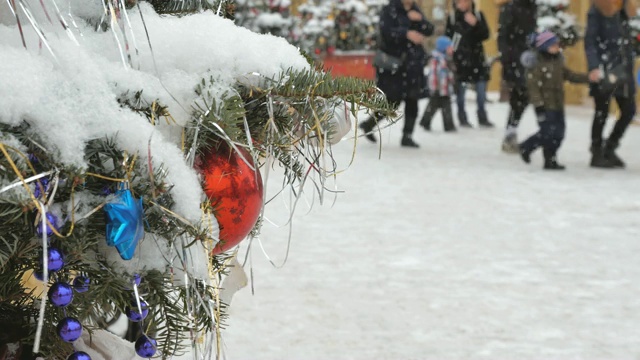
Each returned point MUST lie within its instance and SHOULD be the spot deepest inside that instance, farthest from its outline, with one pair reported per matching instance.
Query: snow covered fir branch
(111, 158)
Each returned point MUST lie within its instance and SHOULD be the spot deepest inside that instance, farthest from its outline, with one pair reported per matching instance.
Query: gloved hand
(528, 59)
(541, 113)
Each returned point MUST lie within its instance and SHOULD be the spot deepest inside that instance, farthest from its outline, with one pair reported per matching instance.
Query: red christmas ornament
(235, 191)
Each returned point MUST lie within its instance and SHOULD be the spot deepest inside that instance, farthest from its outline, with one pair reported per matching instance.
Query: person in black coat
(468, 29)
(610, 59)
(517, 21)
(403, 28)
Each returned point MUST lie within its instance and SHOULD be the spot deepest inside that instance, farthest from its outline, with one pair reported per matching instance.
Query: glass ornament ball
(146, 347)
(79, 355)
(134, 314)
(69, 329)
(60, 294)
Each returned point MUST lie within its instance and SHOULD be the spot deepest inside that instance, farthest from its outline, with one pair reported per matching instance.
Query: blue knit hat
(545, 40)
(443, 43)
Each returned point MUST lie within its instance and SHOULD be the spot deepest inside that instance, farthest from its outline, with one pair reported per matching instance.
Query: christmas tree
(552, 16)
(317, 28)
(634, 26)
(320, 27)
(132, 135)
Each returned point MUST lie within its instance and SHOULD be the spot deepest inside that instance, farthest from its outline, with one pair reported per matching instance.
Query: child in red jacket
(440, 84)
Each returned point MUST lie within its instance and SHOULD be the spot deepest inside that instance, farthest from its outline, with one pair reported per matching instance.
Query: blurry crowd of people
(532, 67)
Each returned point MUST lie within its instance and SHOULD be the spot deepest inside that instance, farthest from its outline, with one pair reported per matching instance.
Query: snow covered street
(454, 251)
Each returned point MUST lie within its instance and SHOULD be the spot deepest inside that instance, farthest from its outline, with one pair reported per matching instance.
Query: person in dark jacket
(468, 29)
(610, 59)
(403, 28)
(545, 83)
(517, 21)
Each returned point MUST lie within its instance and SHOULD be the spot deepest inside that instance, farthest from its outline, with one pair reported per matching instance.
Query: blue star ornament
(124, 223)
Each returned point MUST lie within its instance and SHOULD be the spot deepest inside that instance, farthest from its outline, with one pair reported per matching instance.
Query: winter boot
(598, 159)
(426, 123)
(483, 121)
(510, 144)
(550, 160)
(552, 164)
(462, 119)
(367, 128)
(610, 154)
(407, 141)
(525, 155)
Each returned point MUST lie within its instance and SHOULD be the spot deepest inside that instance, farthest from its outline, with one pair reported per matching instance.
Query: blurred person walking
(468, 28)
(610, 58)
(403, 29)
(517, 21)
(440, 80)
(546, 74)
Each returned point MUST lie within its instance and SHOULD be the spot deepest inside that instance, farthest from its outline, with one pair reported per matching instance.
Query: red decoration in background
(359, 65)
(235, 191)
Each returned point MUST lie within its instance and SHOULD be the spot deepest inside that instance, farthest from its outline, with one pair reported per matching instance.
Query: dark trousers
(481, 99)
(518, 99)
(439, 103)
(550, 135)
(627, 107)
(410, 115)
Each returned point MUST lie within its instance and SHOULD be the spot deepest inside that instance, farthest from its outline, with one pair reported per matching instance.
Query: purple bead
(81, 284)
(55, 259)
(146, 346)
(137, 279)
(133, 313)
(53, 220)
(37, 192)
(38, 274)
(79, 355)
(33, 158)
(69, 329)
(60, 294)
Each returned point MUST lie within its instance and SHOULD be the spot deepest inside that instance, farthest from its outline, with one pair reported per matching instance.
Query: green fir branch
(223, 8)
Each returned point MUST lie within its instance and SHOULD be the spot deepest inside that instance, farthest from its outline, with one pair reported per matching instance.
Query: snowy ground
(455, 251)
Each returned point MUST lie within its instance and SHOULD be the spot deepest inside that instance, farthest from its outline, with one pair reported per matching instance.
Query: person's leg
(627, 107)
(530, 145)
(461, 90)
(481, 99)
(554, 134)
(518, 100)
(410, 115)
(599, 119)
(367, 127)
(601, 102)
(627, 112)
(432, 107)
(535, 141)
(447, 114)
(370, 123)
